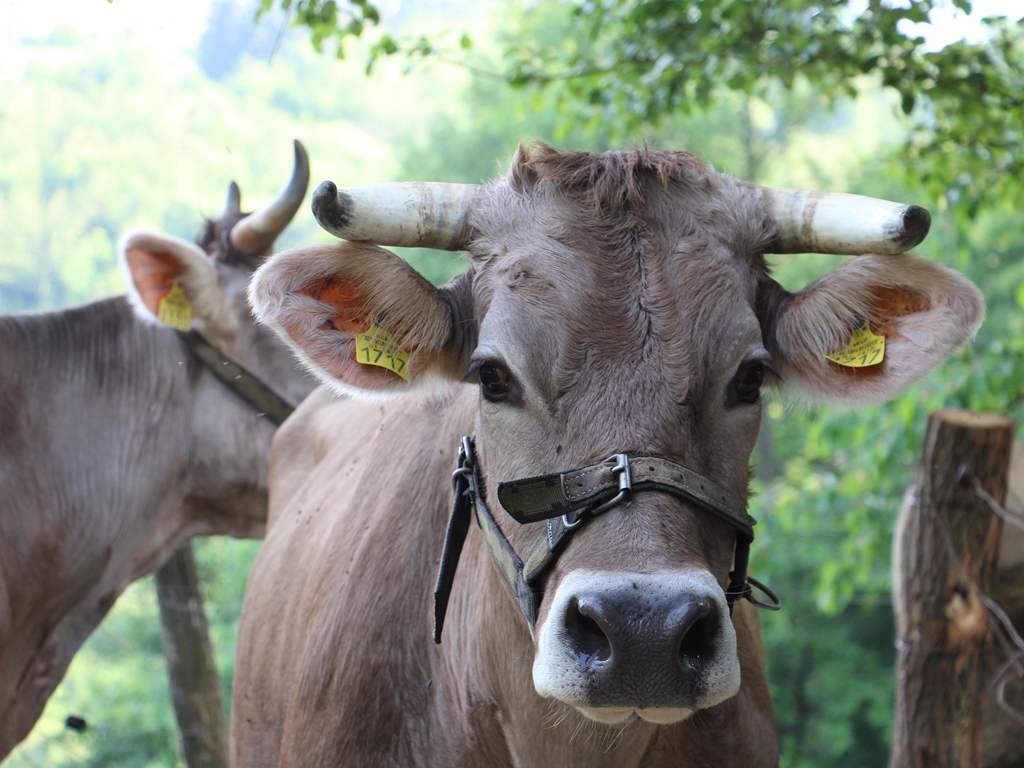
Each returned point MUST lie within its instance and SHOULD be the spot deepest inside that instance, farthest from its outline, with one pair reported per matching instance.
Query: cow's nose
(660, 640)
(608, 630)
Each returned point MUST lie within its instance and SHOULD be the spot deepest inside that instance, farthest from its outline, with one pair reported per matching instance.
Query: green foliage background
(90, 146)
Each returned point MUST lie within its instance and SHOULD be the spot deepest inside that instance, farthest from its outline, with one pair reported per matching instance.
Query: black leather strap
(568, 493)
(236, 378)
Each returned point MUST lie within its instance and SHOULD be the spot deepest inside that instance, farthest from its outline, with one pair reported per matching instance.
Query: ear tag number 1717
(376, 346)
(865, 349)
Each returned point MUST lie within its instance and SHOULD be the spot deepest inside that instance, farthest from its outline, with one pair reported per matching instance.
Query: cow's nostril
(695, 626)
(588, 641)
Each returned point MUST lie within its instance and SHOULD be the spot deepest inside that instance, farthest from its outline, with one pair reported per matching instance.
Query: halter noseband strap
(565, 500)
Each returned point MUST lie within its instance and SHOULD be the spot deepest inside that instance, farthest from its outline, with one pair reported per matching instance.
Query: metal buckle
(621, 469)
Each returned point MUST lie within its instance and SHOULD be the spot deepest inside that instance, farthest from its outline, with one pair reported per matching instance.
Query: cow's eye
(749, 379)
(494, 381)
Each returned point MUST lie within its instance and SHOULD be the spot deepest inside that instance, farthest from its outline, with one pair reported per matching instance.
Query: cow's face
(618, 304)
(606, 331)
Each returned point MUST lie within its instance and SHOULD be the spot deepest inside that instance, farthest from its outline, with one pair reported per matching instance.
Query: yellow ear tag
(175, 309)
(377, 347)
(865, 349)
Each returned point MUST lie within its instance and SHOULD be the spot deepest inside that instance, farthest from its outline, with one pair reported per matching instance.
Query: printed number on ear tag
(175, 309)
(378, 347)
(865, 349)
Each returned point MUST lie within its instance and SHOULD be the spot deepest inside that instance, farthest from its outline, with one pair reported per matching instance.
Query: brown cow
(117, 444)
(605, 350)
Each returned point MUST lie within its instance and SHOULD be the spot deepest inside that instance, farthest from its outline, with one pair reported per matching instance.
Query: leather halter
(566, 500)
(236, 378)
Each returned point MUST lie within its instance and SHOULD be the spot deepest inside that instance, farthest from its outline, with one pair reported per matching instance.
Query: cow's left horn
(833, 222)
(257, 232)
(410, 214)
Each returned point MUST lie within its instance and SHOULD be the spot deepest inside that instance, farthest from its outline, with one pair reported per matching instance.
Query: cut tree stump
(945, 554)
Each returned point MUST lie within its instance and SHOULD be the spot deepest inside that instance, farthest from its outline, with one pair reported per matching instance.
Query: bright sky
(182, 21)
(949, 24)
(175, 21)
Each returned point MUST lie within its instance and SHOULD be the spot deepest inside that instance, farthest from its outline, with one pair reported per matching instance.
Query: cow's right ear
(174, 282)
(363, 320)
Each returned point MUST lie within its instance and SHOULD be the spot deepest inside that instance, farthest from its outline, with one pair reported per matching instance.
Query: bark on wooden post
(195, 688)
(944, 559)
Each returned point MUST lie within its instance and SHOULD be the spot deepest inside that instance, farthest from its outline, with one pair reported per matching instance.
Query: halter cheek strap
(564, 501)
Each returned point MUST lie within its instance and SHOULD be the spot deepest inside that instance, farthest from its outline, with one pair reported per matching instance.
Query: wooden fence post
(944, 561)
(195, 688)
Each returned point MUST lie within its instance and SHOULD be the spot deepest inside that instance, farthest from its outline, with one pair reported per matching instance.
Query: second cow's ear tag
(865, 349)
(175, 309)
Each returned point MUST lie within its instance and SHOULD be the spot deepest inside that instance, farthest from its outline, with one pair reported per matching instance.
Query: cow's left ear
(870, 327)
(363, 320)
(174, 282)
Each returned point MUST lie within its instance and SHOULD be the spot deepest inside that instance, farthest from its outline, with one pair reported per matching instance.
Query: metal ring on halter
(775, 603)
(573, 524)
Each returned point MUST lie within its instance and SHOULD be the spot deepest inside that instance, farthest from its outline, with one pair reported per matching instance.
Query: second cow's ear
(363, 320)
(174, 282)
(869, 328)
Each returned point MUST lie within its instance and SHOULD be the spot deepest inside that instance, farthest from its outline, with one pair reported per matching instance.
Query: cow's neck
(226, 473)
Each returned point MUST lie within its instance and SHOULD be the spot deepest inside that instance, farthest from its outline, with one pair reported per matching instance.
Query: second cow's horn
(257, 232)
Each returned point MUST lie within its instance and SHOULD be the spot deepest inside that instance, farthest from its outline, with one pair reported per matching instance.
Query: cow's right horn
(410, 214)
(833, 222)
(255, 233)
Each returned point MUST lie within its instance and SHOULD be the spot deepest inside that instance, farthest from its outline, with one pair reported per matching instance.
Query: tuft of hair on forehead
(606, 180)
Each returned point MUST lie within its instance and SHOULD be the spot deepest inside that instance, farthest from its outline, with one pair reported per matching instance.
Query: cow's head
(620, 303)
(202, 286)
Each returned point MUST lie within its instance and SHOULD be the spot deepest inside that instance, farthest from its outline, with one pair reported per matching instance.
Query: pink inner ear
(153, 274)
(349, 316)
(890, 304)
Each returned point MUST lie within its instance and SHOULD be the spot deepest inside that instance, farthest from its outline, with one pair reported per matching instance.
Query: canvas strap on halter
(236, 378)
(566, 500)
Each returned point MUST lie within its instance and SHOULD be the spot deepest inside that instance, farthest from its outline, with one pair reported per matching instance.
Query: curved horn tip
(916, 223)
(257, 232)
(331, 209)
(301, 157)
(233, 204)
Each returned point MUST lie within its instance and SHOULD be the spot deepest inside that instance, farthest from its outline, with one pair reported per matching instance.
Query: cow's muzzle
(660, 645)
